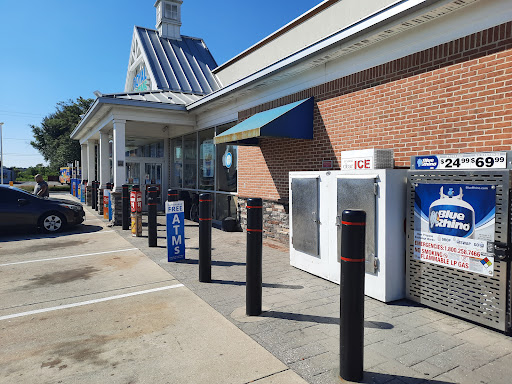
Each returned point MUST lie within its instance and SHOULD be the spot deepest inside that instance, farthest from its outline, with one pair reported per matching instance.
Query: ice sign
(175, 220)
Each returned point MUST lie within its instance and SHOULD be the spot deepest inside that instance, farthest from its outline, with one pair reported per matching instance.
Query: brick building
(419, 77)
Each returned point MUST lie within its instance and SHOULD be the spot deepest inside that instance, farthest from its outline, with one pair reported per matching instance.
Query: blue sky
(55, 50)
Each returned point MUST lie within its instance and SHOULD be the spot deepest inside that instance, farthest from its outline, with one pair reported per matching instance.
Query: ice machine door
(305, 223)
(359, 193)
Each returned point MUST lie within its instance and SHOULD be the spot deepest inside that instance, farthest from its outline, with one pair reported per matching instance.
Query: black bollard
(352, 261)
(125, 200)
(205, 238)
(172, 195)
(254, 268)
(94, 195)
(152, 203)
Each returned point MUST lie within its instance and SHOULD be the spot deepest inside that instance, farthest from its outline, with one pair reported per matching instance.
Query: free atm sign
(175, 218)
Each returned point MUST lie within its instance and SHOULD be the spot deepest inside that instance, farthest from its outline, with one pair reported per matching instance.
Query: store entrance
(145, 174)
(152, 178)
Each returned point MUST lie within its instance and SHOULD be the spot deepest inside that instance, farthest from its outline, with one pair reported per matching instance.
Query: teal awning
(294, 121)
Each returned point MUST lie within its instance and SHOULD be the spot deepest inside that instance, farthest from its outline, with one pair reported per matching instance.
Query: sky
(56, 50)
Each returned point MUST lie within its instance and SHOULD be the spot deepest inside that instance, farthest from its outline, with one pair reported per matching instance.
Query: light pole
(1, 156)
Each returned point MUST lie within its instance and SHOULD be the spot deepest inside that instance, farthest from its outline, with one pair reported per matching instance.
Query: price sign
(482, 160)
(473, 161)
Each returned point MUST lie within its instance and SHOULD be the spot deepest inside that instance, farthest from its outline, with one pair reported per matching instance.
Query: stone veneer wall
(275, 219)
(100, 201)
(117, 208)
(88, 195)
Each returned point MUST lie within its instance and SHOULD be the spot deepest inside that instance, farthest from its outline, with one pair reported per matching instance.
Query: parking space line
(68, 257)
(82, 303)
(44, 237)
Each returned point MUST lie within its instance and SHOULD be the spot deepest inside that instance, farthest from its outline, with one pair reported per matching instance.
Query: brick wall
(456, 97)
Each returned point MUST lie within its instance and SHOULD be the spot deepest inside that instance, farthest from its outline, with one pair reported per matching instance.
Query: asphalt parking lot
(86, 306)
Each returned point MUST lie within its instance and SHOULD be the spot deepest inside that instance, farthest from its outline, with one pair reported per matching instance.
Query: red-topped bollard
(352, 261)
(172, 195)
(205, 238)
(253, 290)
(125, 200)
(152, 225)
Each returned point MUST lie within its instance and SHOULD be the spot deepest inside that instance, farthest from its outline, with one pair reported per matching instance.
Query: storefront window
(190, 161)
(206, 159)
(227, 163)
(153, 150)
(177, 162)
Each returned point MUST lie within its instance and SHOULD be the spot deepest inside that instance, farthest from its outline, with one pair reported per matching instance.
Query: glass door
(152, 178)
(132, 173)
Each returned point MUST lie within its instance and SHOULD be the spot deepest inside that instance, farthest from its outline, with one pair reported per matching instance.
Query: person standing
(41, 187)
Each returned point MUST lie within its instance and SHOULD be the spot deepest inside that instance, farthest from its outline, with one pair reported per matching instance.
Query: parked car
(20, 209)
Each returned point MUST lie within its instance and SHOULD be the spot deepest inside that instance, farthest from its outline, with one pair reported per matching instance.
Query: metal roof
(181, 66)
(163, 97)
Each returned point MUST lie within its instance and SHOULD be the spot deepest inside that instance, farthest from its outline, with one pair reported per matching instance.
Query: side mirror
(22, 202)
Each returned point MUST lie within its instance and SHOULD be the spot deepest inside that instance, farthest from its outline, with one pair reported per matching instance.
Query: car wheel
(52, 222)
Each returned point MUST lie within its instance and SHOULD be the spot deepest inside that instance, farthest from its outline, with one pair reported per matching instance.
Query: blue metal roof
(293, 120)
(179, 66)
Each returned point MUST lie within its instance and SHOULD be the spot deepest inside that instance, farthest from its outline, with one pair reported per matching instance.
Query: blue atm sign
(175, 217)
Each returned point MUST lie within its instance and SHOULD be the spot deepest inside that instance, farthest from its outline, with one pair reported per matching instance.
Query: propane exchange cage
(484, 299)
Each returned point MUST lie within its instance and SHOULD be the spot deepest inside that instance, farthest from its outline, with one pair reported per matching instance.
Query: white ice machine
(317, 200)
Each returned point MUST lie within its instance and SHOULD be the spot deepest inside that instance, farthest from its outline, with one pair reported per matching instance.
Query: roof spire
(168, 18)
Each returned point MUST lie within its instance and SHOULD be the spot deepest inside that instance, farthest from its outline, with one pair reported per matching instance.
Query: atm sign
(356, 163)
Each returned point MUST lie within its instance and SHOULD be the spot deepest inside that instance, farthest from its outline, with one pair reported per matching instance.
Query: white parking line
(21, 314)
(44, 237)
(68, 257)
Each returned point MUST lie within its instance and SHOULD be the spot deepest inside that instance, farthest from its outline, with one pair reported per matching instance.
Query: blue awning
(294, 121)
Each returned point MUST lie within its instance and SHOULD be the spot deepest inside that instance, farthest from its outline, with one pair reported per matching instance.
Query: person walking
(41, 187)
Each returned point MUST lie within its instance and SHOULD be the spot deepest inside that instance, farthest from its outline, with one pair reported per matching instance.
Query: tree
(52, 139)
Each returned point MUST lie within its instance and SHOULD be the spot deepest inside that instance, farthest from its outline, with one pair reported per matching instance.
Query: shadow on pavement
(214, 262)
(374, 377)
(20, 235)
(321, 319)
(264, 285)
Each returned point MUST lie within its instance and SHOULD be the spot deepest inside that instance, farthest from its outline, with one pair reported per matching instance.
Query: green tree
(52, 139)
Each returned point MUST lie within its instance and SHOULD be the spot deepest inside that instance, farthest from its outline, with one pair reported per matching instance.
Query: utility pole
(1, 155)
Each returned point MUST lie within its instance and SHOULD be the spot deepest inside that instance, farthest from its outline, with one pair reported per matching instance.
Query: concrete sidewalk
(404, 342)
(90, 308)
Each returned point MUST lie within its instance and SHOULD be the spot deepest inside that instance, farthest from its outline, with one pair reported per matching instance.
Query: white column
(104, 161)
(83, 160)
(118, 154)
(166, 171)
(91, 161)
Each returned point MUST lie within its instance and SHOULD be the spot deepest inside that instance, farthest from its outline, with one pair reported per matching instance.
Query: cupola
(168, 18)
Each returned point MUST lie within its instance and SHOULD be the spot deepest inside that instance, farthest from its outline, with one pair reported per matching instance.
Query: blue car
(20, 209)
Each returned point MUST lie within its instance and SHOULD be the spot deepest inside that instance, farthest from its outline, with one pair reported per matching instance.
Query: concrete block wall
(455, 97)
